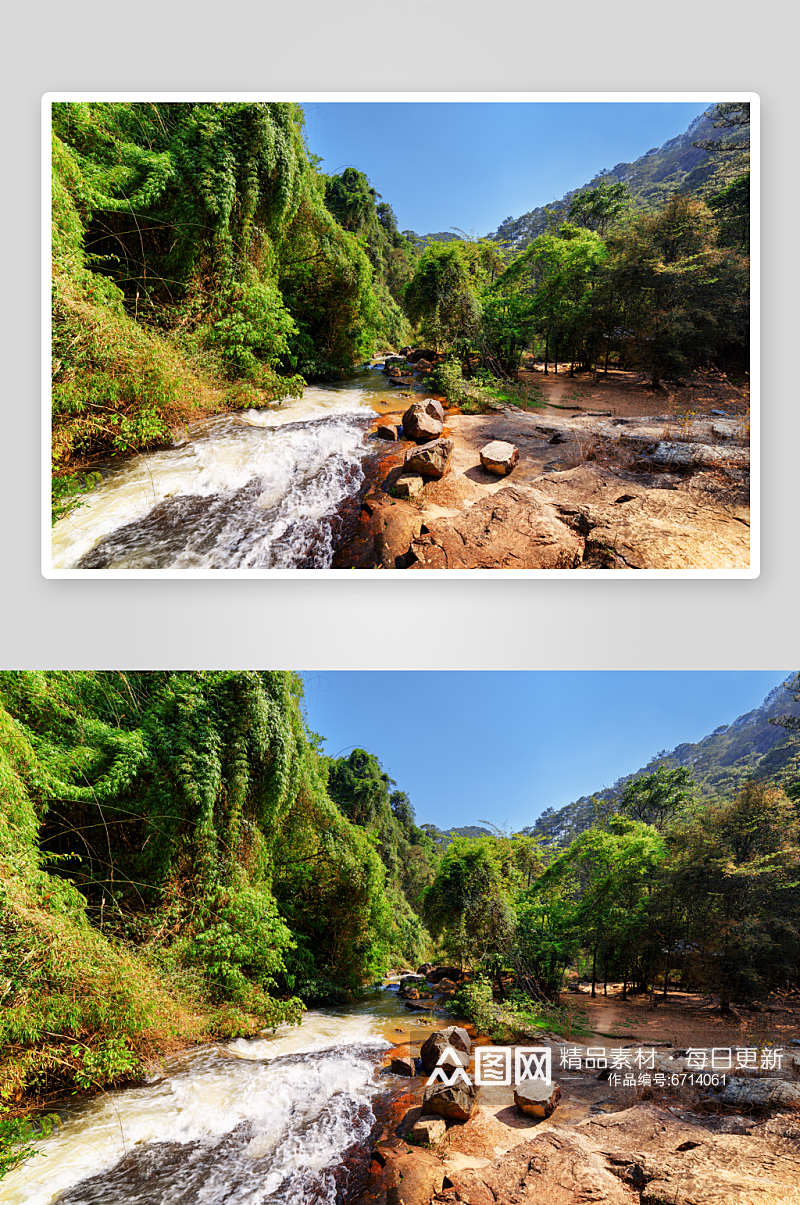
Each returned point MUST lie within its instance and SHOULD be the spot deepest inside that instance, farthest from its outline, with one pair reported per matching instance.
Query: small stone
(429, 1129)
(537, 1097)
(499, 457)
(408, 486)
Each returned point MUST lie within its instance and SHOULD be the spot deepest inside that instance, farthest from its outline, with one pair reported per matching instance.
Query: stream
(244, 1122)
(250, 489)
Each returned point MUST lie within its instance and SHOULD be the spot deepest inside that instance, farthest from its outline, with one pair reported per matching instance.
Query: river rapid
(252, 489)
(250, 1121)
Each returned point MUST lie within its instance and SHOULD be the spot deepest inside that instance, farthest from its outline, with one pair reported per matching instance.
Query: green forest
(203, 262)
(180, 861)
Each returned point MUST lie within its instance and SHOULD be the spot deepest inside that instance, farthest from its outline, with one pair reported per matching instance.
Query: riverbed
(252, 489)
(283, 1118)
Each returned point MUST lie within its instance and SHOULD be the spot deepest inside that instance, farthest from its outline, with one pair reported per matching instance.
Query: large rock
(510, 529)
(561, 1167)
(384, 431)
(453, 1036)
(410, 1177)
(630, 526)
(424, 353)
(420, 424)
(457, 1102)
(410, 981)
(499, 457)
(396, 525)
(403, 1066)
(431, 459)
(437, 973)
(537, 1097)
(692, 455)
(644, 1154)
(760, 1094)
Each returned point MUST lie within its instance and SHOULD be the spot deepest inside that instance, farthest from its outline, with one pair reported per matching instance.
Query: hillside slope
(720, 762)
(653, 178)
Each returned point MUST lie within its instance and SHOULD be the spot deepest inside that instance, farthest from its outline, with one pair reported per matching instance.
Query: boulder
(411, 993)
(410, 980)
(434, 408)
(422, 1006)
(424, 353)
(396, 526)
(431, 459)
(454, 1037)
(390, 361)
(760, 1094)
(387, 432)
(694, 455)
(510, 529)
(437, 973)
(423, 970)
(408, 486)
(429, 1129)
(537, 1097)
(457, 1103)
(410, 1177)
(419, 424)
(499, 457)
(446, 985)
(423, 365)
(403, 1066)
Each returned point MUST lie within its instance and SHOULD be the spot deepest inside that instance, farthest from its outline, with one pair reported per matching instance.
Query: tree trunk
(594, 967)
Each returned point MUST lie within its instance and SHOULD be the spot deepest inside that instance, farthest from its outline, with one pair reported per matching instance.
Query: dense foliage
(197, 266)
(171, 863)
(655, 280)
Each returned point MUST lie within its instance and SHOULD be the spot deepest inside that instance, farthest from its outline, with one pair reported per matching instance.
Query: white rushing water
(256, 489)
(247, 1122)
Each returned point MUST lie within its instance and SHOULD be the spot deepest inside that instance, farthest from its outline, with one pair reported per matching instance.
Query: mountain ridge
(720, 761)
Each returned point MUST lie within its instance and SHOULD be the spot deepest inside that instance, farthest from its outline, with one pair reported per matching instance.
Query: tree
(657, 798)
(444, 295)
(468, 903)
(737, 866)
(558, 274)
(600, 208)
(685, 298)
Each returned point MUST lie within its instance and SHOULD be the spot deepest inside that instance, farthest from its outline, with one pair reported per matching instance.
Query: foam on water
(256, 1121)
(255, 489)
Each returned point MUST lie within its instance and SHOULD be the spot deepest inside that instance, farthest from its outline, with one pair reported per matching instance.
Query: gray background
(385, 46)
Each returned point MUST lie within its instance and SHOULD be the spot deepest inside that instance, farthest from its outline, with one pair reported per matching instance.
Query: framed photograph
(448, 334)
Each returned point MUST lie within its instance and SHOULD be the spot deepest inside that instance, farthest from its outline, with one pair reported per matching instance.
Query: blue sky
(471, 165)
(502, 746)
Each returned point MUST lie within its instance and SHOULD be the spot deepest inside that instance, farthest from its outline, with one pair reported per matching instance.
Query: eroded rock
(537, 1097)
(457, 1102)
(403, 1066)
(431, 459)
(499, 457)
(429, 1129)
(408, 486)
(510, 529)
(421, 422)
(453, 1036)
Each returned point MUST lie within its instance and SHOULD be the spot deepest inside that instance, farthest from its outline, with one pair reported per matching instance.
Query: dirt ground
(628, 393)
(684, 1019)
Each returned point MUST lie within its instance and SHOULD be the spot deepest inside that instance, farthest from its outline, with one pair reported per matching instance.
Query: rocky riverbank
(587, 490)
(591, 1142)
